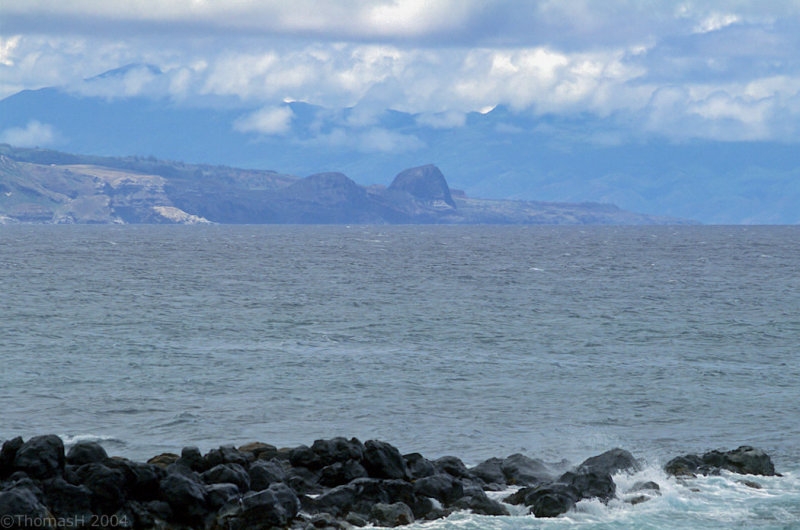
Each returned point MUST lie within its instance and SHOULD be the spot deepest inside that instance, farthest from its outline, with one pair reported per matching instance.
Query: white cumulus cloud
(34, 134)
(268, 120)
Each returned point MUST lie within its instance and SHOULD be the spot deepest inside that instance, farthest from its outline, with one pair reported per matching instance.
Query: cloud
(268, 120)
(34, 134)
(731, 65)
(7, 48)
(442, 120)
(371, 140)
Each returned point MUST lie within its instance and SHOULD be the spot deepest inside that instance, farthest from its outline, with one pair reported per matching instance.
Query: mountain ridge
(45, 186)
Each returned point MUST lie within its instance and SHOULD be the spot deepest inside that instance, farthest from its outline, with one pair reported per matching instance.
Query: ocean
(473, 341)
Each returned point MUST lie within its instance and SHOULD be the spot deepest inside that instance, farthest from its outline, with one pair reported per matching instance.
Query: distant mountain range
(44, 186)
(500, 154)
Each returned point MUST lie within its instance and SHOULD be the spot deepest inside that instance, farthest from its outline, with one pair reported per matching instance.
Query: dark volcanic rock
(520, 470)
(610, 462)
(259, 450)
(41, 456)
(7, 455)
(361, 494)
(490, 471)
(452, 466)
(590, 484)
(226, 454)
(275, 506)
(418, 466)
(186, 498)
(264, 473)
(382, 460)
(164, 459)
(478, 502)
(192, 458)
(553, 499)
(340, 473)
(86, 453)
(644, 486)
(142, 479)
(745, 460)
(303, 480)
(20, 503)
(338, 450)
(442, 487)
(228, 473)
(425, 183)
(391, 515)
(65, 499)
(218, 495)
(108, 486)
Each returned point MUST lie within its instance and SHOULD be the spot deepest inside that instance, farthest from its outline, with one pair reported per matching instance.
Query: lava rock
(382, 460)
(67, 500)
(519, 469)
(218, 495)
(590, 484)
(745, 460)
(644, 486)
(20, 503)
(274, 506)
(86, 453)
(451, 465)
(7, 455)
(41, 457)
(259, 450)
(228, 473)
(490, 471)
(550, 500)
(391, 515)
(610, 462)
(186, 498)
(226, 454)
(303, 480)
(164, 459)
(108, 486)
(193, 459)
(142, 479)
(338, 450)
(478, 502)
(340, 473)
(264, 473)
(304, 456)
(418, 466)
(442, 487)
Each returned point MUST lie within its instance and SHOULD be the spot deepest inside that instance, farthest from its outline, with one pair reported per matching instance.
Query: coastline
(335, 483)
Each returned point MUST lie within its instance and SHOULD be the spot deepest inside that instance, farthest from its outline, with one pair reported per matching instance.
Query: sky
(714, 70)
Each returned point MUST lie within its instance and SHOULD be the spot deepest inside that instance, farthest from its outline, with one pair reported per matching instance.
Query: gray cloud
(714, 69)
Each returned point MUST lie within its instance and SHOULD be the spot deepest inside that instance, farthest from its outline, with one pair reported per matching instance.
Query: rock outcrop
(425, 183)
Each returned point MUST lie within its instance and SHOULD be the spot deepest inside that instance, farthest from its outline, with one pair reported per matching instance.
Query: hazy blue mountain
(500, 154)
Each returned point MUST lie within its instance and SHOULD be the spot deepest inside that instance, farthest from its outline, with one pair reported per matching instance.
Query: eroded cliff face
(80, 193)
(132, 190)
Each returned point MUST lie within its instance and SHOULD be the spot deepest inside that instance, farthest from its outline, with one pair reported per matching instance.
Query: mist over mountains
(499, 154)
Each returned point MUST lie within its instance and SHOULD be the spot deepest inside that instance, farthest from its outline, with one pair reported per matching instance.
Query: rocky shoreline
(336, 483)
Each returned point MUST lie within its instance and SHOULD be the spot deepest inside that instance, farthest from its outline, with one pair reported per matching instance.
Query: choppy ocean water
(558, 342)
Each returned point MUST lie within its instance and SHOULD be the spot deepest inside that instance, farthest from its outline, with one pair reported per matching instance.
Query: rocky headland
(48, 187)
(336, 483)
